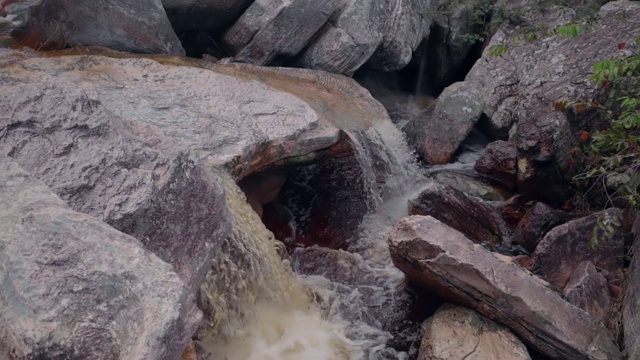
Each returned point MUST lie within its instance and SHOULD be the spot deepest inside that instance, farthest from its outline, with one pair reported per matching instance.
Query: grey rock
(135, 26)
(190, 15)
(347, 42)
(563, 248)
(74, 287)
(525, 80)
(478, 221)
(408, 24)
(469, 185)
(438, 132)
(535, 224)
(282, 29)
(457, 333)
(445, 261)
(588, 290)
(631, 305)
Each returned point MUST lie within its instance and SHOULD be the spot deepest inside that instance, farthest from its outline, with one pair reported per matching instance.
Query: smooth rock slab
(588, 290)
(456, 333)
(138, 26)
(73, 287)
(445, 261)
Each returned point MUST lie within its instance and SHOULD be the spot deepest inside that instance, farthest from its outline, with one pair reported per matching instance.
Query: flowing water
(343, 304)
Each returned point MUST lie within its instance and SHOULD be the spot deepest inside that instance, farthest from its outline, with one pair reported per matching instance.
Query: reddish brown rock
(588, 290)
(138, 26)
(479, 222)
(560, 252)
(498, 163)
(443, 260)
(535, 223)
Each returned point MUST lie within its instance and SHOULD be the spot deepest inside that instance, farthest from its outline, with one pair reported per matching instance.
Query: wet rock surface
(597, 238)
(135, 26)
(456, 333)
(479, 222)
(75, 287)
(438, 132)
(535, 224)
(445, 261)
(588, 290)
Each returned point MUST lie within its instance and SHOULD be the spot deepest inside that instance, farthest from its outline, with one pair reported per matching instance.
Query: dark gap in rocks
(199, 43)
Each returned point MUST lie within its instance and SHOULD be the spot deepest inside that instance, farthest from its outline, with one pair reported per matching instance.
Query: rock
(438, 132)
(442, 259)
(588, 290)
(498, 163)
(348, 41)
(631, 305)
(479, 222)
(456, 333)
(526, 79)
(468, 184)
(535, 223)
(272, 29)
(75, 287)
(191, 15)
(408, 24)
(560, 252)
(135, 26)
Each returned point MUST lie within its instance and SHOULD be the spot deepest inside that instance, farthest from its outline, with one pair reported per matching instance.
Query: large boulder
(135, 26)
(631, 306)
(520, 86)
(74, 287)
(445, 261)
(189, 15)
(456, 333)
(598, 238)
(272, 29)
(347, 42)
(408, 24)
(478, 221)
(438, 131)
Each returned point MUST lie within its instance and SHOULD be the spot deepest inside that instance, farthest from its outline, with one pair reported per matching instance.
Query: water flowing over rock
(438, 132)
(631, 306)
(588, 290)
(598, 238)
(253, 305)
(189, 15)
(443, 260)
(526, 79)
(479, 222)
(137, 26)
(74, 287)
(456, 333)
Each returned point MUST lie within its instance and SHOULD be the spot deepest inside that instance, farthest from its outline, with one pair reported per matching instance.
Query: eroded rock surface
(136, 26)
(498, 163)
(588, 290)
(456, 333)
(74, 287)
(438, 131)
(560, 252)
(535, 224)
(445, 261)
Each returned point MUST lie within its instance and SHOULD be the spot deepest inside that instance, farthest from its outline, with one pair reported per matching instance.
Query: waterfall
(255, 309)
